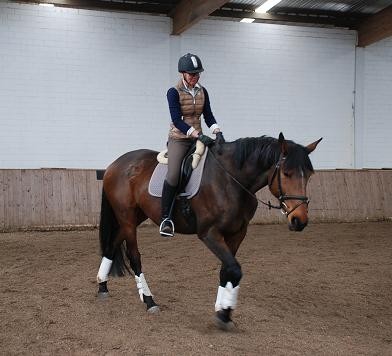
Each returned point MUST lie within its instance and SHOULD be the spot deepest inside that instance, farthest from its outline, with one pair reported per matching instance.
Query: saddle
(190, 176)
(196, 150)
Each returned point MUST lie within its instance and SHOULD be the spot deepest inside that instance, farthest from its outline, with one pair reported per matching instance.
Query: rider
(187, 101)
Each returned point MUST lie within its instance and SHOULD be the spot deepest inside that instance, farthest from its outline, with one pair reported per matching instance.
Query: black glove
(208, 141)
(219, 138)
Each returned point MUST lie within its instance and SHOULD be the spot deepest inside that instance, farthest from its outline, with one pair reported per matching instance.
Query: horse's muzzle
(296, 225)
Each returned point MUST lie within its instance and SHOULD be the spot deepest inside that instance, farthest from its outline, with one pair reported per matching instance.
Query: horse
(223, 207)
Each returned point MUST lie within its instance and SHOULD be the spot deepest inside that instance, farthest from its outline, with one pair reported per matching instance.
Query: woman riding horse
(223, 206)
(187, 101)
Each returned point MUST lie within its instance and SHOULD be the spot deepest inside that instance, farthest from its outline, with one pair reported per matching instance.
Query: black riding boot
(168, 194)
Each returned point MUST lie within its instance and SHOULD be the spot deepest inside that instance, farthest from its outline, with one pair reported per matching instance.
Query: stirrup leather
(163, 223)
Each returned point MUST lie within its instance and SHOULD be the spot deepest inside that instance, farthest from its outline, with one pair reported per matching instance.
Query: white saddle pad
(158, 176)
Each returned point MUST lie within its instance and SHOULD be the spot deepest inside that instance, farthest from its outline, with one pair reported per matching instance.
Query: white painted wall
(270, 78)
(373, 126)
(78, 88)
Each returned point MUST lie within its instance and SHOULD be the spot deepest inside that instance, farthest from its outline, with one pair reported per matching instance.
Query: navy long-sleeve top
(173, 99)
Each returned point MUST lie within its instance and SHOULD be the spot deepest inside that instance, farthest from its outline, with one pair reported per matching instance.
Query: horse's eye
(287, 174)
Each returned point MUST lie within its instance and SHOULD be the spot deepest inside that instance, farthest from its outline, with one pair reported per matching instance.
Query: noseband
(283, 197)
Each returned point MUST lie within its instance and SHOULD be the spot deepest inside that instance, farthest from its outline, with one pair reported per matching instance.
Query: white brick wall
(374, 106)
(78, 88)
(269, 78)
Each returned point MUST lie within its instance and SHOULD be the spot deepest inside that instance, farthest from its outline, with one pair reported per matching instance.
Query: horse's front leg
(230, 276)
(136, 265)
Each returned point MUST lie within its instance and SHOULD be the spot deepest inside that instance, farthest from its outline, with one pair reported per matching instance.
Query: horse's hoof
(223, 320)
(102, 295)
(167, 237)
(153, 310)
(224, 325)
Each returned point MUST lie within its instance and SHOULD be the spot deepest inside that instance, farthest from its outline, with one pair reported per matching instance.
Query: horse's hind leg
(108, 255)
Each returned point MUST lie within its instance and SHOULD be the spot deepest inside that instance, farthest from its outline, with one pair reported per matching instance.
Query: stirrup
(171, 225)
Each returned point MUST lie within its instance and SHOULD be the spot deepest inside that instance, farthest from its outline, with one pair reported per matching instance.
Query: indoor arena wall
(70, 198)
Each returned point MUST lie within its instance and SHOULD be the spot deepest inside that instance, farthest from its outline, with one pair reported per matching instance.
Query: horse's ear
(311, 147)
(283, 144)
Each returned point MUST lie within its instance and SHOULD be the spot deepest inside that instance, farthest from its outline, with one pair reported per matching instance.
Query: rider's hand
(208, 141)
(219, 138)
(195, 134)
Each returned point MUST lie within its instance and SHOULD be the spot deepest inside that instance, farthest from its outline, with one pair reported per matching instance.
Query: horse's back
(135, 165)
(133, 157)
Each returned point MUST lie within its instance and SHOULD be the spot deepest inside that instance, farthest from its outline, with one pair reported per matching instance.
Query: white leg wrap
(227, 297)
(104, 269)
(142, 286)
(218, 305)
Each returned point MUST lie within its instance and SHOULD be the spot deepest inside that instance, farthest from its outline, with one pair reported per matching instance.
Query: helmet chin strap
(183, 77)
(188, 84)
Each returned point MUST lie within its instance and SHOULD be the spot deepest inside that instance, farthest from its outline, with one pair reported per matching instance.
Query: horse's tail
(108, 231)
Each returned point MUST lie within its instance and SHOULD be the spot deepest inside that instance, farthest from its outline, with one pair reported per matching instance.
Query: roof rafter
(189, 12)
(375, 28)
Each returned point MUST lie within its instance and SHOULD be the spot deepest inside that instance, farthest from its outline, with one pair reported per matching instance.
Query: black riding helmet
(190, 63)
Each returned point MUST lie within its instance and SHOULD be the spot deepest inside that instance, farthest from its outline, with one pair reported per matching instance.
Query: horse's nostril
(297, 225)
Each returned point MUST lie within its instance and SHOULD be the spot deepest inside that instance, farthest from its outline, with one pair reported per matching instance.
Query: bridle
(283, 197)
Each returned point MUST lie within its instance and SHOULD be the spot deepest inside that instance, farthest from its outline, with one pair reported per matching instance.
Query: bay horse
(223, 207)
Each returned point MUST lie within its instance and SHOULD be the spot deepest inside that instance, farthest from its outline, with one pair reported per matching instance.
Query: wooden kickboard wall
(71, 198)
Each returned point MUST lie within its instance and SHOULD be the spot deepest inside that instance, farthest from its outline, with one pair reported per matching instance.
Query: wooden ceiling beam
(146, 7)
(375, 27)
(188, 12)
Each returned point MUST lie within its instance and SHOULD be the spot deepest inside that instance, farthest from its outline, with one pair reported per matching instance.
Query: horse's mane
(267, 150)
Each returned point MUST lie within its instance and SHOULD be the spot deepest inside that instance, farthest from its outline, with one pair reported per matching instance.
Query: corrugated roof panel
(250, 3)
(359, 6)
(345, 6)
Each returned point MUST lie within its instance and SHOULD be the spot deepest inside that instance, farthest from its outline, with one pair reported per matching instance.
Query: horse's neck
(257, 175)
(250, 175)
